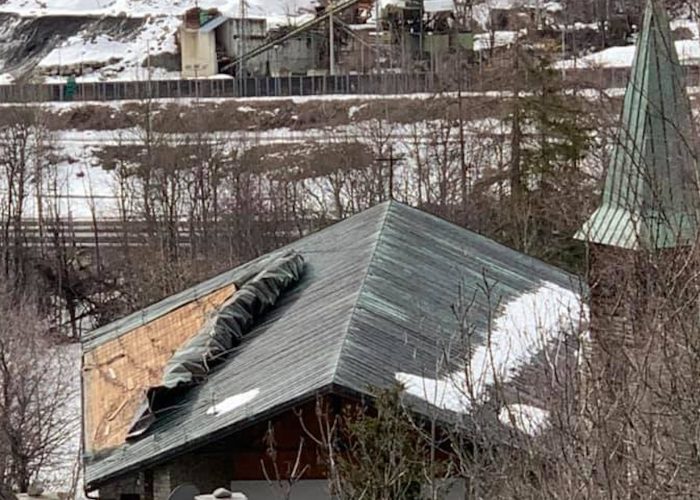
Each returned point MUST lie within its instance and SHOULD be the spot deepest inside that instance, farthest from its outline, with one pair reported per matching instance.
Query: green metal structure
(69, 89)
(650, 198)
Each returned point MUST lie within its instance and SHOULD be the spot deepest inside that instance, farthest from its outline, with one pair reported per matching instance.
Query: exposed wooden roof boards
(116, 374)
(650, 198)
(376, 299)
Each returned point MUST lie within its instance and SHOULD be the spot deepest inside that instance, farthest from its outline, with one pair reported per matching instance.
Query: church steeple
(650, 198)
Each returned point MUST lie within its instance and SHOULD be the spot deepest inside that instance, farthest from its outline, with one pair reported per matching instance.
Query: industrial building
(198, 43)
(341, 38)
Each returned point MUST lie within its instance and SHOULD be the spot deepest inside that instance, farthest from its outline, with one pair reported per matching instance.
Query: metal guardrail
(288, 86)
(110, 232)
(226, 88)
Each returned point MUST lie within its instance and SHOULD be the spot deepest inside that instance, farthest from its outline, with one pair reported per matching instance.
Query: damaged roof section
(123, 359)
(221, 334)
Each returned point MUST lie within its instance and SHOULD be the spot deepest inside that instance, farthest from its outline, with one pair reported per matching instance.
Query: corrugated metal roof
(376, 298)
(650, 198)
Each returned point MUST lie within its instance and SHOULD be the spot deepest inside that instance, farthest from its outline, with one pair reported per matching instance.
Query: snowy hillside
(116, 58)
(142, 8)
(109, 39)
(621, 57)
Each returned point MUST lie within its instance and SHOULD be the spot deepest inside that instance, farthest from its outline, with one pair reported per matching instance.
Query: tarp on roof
(221, 333)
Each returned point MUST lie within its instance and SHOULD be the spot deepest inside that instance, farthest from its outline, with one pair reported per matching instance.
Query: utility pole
(391, 160)
(241, 44)
(563, 51)
(331, 37)
(422, 27)
(150, 70)
(377, 27)
(464, 177)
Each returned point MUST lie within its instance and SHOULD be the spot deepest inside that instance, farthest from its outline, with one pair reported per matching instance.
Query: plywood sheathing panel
(117, 374)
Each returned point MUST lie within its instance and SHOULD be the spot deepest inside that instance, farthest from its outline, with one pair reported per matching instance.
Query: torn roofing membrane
(222, 332)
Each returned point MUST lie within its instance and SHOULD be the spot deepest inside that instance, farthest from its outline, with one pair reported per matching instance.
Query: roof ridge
(388, 205)
(236, 275)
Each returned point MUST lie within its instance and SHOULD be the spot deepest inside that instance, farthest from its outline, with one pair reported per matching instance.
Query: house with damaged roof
(186, 390)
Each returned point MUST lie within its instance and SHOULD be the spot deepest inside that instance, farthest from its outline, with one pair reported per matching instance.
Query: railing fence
(288, 86)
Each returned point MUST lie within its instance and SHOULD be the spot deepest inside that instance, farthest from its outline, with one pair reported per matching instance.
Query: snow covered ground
(482, 41)
(65, 466)
(621, 57)
(79, 185)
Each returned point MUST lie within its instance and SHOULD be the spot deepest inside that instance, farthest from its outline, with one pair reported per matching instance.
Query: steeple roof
(650, 198)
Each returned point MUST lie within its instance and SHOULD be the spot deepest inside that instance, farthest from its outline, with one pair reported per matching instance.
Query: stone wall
(130, 485)
(207, 471)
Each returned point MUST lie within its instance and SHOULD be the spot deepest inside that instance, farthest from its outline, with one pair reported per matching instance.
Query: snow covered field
(80, 185)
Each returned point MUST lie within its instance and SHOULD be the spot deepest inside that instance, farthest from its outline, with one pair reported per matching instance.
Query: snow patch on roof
(482, 41)
(525, 418)
(438, 5)
(525, 326)
(231, 403)
(553, 7)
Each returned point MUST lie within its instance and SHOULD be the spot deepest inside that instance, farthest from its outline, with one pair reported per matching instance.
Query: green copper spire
(650, 199)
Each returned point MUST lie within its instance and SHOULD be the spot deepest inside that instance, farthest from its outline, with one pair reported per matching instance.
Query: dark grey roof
(376, 299)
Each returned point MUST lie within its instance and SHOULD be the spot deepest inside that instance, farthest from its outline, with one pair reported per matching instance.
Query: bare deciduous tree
(37, 388)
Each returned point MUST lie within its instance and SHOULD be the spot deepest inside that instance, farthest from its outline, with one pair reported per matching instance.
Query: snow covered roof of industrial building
(376, 304)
